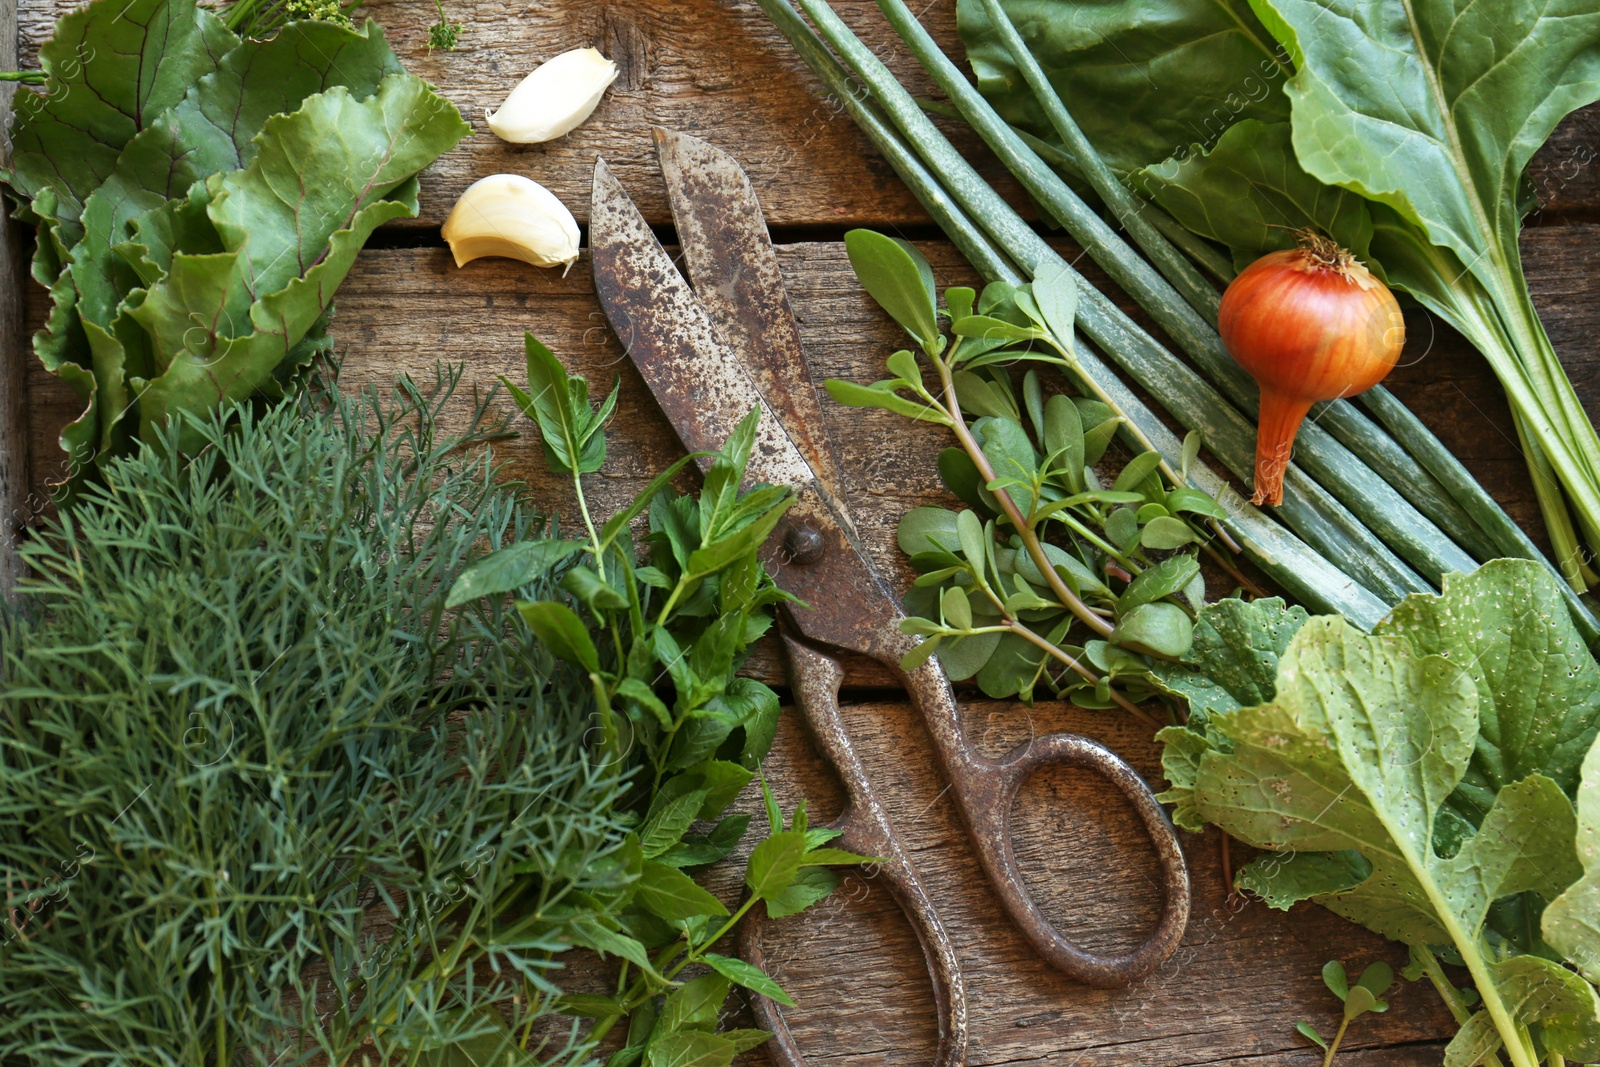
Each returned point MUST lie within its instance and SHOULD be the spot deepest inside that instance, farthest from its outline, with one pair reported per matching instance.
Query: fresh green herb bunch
(1051, 578)
(238, 726)
(660, 644)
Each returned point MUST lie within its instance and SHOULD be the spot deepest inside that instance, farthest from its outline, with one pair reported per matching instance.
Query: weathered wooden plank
(715, 67)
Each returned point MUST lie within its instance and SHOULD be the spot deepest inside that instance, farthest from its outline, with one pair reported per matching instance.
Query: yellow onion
(1309, 323)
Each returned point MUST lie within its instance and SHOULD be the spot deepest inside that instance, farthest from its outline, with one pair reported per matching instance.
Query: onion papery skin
(1309, 324)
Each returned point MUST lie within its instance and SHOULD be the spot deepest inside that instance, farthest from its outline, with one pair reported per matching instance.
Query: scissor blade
(735, 273)
(704, 391)
(698, 381)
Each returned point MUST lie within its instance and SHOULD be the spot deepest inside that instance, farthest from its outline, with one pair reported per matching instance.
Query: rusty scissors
(712, 353)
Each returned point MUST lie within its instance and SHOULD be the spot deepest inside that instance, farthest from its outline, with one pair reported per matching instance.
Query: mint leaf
(747, 975)
(669, 893)
(560, 629)
(775, 863)
(692, 1048)
(811, 885)
(508, 569)
(695, 1005)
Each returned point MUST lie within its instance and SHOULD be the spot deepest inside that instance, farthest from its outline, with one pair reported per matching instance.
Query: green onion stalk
(1372, 545)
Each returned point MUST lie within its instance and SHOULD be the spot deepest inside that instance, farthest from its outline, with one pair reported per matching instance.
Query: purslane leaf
(898, 278)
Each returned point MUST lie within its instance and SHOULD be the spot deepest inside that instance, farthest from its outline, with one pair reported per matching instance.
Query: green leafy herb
(181, 277)
(1421, 781)
(659, 644)
(1358, 1000)
(1044, 547)
(237, 725)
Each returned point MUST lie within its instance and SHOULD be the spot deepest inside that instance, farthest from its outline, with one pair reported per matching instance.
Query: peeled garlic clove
(555, 99)
(512, 216)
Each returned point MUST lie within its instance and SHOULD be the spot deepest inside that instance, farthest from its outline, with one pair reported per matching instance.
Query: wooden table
(1244, 975)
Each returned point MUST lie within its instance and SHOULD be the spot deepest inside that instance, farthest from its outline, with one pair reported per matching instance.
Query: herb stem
(1030, 539)
(1061, 654)
(1066, 519)
(1333, 1046)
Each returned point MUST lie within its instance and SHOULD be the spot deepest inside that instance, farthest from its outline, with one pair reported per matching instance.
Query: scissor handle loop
(865, 830)
(985, 791)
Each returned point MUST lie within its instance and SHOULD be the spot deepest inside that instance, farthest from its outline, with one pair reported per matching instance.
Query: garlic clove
(555, 99)
(515, 217)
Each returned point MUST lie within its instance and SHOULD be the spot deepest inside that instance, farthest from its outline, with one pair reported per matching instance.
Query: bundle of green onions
(1349, 541)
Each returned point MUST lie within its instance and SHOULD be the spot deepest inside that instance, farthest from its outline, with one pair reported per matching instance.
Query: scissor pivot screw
(803, 544)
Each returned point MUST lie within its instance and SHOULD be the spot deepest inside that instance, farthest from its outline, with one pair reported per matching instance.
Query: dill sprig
(239, 731)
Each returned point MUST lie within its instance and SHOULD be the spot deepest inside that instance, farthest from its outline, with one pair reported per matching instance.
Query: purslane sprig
(1045, 550)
